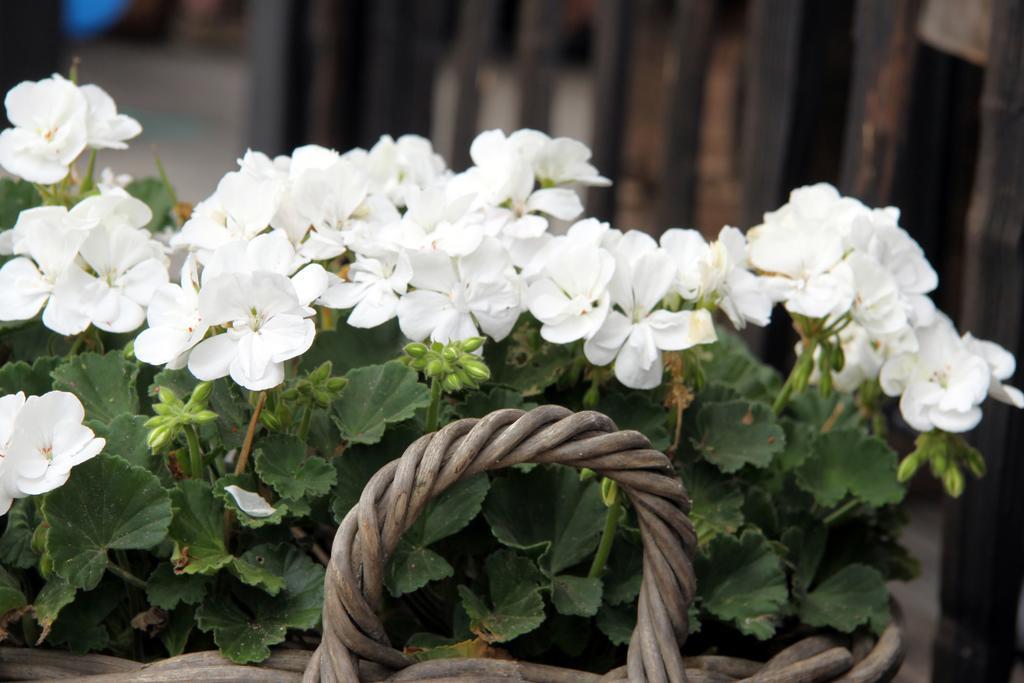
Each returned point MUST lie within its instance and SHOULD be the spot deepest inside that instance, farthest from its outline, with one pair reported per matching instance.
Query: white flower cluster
(391, 232)
(830, 258)
(54, 121)
(41, 439)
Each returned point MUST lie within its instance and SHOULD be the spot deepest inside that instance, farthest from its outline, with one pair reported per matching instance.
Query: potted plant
(196, 399)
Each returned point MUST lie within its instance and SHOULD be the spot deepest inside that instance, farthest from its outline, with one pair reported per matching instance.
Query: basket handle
(397, 494)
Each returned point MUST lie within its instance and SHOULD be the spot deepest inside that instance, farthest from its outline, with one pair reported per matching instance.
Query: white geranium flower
(372, 290)
(1001, 364)
(50, 129)
(570, 297)
(718, 274)
(455, 296)
(436, 221)
(128, 267)
(565, 161)
(109, 180)
(942, 384)
(266, 326)
(175, 325)
(270, 252)
(45, 273)
(877, 305)
(241, 208)
(112, 209)
(635, 334)
(395, 168)
(106, 128)
(41, 439)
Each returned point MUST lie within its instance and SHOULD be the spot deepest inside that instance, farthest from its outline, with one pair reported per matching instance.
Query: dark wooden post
(876, 125)
(539, 32)
(30, 42)
(983, 545)
(613, 32)
(280, 75)
(692, 39)
(476, 26)
(772, 65)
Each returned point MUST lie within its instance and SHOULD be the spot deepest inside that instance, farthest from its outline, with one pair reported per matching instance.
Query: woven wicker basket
(355, 647)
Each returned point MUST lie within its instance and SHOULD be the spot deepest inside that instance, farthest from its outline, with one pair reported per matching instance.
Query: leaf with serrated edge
(516, 603)
(853, 596)
(737, 433)
(105, 384)
(376, 396)
(107, 504)
(850, 461)
(281, 461)
(578, 596)
(166, 588)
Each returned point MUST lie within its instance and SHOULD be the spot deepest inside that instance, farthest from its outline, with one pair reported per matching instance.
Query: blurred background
(703, 112)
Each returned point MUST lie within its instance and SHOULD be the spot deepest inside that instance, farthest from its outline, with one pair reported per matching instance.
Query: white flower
(570, 297)
(41, 439)
(50, 129)
(397, 167)
(106, 128)
(266, 325)
(240, 209)
(434, 220)
(249, 502)
(635, 334)
(1001, 364)
(877, 305)
(111, 181)
(270, 252)
(45, 274)
(717, 274)
(372, 290)
(175, 325)
(454, 296)
(563, 161)
(942, 384)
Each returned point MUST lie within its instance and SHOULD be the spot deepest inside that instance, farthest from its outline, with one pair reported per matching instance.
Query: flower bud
(472, 344)
(290, 394)
(416, 349)
(201, 393)
(156, 421)
(975, 462)
(270, 420)
(168, 397)
(838, 359)
(322, 372)
(609, 492)
(591, 396)
(323, 398)
(336, 384)
(476, 370)
(159, 438)
(451, 383)
(953, 480)
(435, 368)
(908, 467)
(204, 417)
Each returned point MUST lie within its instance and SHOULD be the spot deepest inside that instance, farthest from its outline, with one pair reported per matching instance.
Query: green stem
(836, 514)
(124, 574)
(76, 346)
(90, 169)
(604, 549)
(803, 365)
(307, 417)
(435, 404)
(163, 177)
(195, 457)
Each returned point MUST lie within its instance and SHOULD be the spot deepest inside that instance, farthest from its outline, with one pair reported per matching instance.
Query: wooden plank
(280, 88)
(31, 46)
(983, 548)
(476, 25)
(692, 38)
(337, 72)
(537, 43)
(613, 29)
(386, 83)
(772, 65)
(876, 124)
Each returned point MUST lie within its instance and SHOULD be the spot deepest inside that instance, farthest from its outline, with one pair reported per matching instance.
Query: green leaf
(174, 635)
(806, 546)
(413, 566)
(104, 383)
(167, 589)
(281, 461)
(358, 463)
(480, 403)
(853, 596)
(16, 543)
(197, 529)
(11, 597)
(741, 580)
(759, 510)
(80, 626)
(352, 347)
(737, 433)
(198, 534)
(624, 571)
(376, 396)
(576, 595)
(154, 193)
(837, 409)
(55, 594)
(617, 622)
(732, 364)
(637, 410)
(525, 362)
(106, 504)
(799, 443)
(717, 501)
(851, 462)
(33, 379)
(548, 511)
(16, 195)
(126, 437)
(245, 635)
(516, 606)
